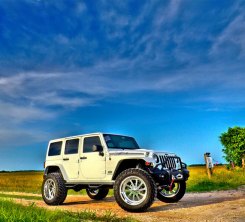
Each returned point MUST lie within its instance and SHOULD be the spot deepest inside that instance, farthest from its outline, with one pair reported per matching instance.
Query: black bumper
(166, 176)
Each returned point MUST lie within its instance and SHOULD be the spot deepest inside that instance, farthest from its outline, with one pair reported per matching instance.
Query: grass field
(222, 179)
(10, 211)
(30, 183)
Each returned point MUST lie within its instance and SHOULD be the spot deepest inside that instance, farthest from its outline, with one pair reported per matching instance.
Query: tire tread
(152, 192)
(61, 192)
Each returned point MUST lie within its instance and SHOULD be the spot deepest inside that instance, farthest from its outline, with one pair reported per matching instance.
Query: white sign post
(209, 164)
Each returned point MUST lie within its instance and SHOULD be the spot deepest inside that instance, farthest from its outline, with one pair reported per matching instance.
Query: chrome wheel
(133, 190)
(171, 193)
(49, 189)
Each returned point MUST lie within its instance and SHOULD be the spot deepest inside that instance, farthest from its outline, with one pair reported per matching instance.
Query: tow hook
(171, 184)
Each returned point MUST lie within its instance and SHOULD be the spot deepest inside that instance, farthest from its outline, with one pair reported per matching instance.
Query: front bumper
(166, 176)
(169, 170)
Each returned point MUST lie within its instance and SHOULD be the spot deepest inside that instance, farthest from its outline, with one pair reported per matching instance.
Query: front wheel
(134, 190)
(54, 191)
(97, 194)
(174, 195)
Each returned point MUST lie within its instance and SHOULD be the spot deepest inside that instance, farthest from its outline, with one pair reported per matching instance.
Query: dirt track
(209, 206)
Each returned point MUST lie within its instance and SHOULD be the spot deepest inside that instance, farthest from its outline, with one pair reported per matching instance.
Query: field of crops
(222, 179)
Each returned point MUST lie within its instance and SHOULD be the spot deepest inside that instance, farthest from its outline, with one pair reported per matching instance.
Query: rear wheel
(174, 195)
(54, 191)
(97, 194)
(134, 190)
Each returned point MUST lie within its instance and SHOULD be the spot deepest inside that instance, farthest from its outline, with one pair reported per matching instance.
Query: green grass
(10, 211)
(222, 179)
(31, 182)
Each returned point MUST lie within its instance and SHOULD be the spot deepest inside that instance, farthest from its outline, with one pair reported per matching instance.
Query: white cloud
(18, 136)
(232, 39)
(167, 13)
(12, 112)
(53, 99)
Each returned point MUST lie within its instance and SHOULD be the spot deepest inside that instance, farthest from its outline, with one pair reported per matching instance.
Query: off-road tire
(60, 189)
(100, 193)
(148, 183)
(174, 198)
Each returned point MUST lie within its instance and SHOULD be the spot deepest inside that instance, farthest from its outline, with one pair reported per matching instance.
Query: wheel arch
(126, 164)
(55, 168)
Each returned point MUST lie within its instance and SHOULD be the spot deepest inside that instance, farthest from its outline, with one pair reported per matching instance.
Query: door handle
(83, 158)
(65, 158)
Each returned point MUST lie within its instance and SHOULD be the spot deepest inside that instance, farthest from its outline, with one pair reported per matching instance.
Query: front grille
(170, 162)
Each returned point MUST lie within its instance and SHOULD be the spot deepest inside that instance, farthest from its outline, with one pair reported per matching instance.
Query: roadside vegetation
(29, 186)
(222, 179)
(10, 211)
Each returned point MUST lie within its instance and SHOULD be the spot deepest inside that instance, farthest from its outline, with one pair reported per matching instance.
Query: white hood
(120, 151)
(143, 152)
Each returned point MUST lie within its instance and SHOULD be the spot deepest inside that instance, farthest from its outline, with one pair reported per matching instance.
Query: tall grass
(222, 179)
(30, 182)
(10, 211)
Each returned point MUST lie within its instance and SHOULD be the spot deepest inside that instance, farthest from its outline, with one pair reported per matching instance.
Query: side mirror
(97, 148)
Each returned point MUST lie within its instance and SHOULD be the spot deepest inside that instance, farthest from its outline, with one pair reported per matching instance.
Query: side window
(71, 146)
(89, 142)
(55, 148)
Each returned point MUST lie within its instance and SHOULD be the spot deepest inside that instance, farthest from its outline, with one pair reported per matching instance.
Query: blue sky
(170, 73)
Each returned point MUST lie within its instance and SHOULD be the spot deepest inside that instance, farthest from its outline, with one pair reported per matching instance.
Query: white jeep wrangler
(97, 162)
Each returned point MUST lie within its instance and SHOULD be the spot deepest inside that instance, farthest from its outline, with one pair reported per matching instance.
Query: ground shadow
(195, 200)
(189, 200)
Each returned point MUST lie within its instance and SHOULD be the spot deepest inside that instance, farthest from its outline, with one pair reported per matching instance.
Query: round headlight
(155, 158)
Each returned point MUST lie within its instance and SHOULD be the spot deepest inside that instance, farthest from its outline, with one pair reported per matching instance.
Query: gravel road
(208, 206)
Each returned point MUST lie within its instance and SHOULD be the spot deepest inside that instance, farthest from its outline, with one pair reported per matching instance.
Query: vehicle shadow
(197, 199)
(189, 200)
(88, 201)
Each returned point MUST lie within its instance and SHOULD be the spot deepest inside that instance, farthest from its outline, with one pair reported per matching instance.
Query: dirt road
(208, 206)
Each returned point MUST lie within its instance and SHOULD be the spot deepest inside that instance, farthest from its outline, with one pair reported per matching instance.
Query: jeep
(98, 162)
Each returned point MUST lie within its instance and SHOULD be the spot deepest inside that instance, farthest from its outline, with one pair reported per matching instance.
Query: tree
(234, 145)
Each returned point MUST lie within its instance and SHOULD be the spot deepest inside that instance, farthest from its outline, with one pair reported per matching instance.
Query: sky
(168, 72)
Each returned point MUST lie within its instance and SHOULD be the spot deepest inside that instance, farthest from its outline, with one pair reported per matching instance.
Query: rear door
(71, 158)
(92, 164)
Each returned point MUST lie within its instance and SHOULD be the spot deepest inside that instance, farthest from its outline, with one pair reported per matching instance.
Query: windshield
(121, 142)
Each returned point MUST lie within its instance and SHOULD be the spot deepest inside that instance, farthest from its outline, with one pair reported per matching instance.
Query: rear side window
(71, 146)
(55, 148)
(89, 142)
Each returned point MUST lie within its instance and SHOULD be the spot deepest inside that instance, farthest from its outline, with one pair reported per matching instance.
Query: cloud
(62, 57)
(12, 112)
(53, 99)
(232, 40)
(17, 136)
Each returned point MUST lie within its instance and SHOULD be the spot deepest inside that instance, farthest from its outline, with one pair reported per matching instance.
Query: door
(92, 164)
(71, 158)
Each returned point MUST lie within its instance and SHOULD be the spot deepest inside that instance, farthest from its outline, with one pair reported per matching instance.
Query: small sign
(209, 162)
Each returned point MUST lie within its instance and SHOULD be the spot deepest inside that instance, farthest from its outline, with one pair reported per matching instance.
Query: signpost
(209, 164)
